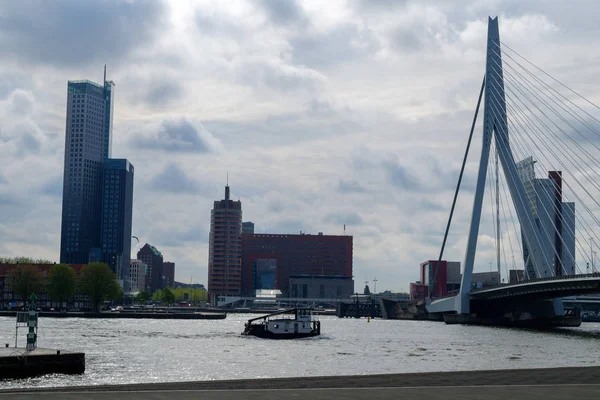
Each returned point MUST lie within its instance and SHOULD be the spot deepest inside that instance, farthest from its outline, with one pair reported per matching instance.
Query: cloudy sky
(323, 113)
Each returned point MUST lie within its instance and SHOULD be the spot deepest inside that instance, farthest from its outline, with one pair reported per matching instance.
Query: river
(120, 351)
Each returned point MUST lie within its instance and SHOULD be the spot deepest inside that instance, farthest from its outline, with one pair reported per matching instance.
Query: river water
(122, 351)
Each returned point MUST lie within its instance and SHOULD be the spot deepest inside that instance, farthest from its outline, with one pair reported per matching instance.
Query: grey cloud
(407, 39)
(401, 177)
(21, 102)
(73, 32)
(379, 5)
(276, 74)
(350, 218)
(350, 187)
(198, 234)
(342, 44)
(178, 135)
(289, 226)
(284, 12)
(163, 92)
(173, 179)
(53, 187)
(3, 179)
(217, 25)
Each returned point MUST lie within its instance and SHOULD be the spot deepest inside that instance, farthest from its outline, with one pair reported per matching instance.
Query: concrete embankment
(21, 363)
(132, 315)
(575, 382)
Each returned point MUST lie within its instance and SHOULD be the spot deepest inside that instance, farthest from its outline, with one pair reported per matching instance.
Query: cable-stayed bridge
(531, 123)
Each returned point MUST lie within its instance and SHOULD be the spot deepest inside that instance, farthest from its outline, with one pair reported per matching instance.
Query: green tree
(25, 280)
(168, 296)
(142, 297)
(157, 296)
(24, 260)
(99, 283)
(61, 283)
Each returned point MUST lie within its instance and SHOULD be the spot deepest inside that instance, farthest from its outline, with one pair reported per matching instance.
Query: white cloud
(321, 112)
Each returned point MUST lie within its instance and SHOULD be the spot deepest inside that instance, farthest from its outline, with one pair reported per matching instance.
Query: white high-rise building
(553, 220)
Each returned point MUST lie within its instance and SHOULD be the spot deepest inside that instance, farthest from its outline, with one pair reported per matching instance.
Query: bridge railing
(552, 278)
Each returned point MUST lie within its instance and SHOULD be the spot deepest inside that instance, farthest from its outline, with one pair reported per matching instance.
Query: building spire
(104, 74)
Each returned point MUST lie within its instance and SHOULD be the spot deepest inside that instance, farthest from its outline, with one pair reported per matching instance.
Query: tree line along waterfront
(75, 287)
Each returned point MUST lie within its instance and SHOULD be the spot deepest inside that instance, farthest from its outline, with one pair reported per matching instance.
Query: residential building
(153, 258)
(291, 255)
(87, 145)
(137, 276)
(248, 227)
(515, 275)
(225, 248)
(485, 279)
(168, 274)
(443, 279)
(553, 221)
(117, 212)
(11, 300)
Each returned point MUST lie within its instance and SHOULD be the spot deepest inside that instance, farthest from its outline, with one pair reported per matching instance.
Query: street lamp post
(375, 285)
(592, 253)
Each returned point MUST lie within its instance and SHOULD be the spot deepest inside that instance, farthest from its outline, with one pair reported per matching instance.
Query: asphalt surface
(548, 392)
(548, 384)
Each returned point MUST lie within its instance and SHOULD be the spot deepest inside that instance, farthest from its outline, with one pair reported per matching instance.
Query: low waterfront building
(289, 255)
(12, 300)
(321, 286)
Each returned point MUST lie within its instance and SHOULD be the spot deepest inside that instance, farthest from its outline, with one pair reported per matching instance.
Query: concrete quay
(548, 384)
(21, 363)
(125, 314)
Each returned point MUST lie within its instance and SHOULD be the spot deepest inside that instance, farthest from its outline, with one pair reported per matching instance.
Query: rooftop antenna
(344, 229)
(227, 178)
(105, 74)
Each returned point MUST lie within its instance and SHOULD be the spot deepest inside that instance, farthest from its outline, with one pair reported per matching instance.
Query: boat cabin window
(276, 326)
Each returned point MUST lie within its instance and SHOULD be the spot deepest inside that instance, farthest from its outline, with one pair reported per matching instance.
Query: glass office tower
(117, 209)
(87, 146)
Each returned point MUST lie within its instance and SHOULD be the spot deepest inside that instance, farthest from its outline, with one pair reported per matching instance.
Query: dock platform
(21, 363)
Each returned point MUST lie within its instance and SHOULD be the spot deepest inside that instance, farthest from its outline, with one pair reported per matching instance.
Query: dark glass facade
(87, 145)
(225, 248)
(294, 255)
(116, 217)
(153, 259)
(168, 274)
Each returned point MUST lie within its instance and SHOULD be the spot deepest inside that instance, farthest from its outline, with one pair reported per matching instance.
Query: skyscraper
(248, 227)
(117, 209)
(153, 259)
(225, 248)
(553, 220)
(168, 274)
(87, 145)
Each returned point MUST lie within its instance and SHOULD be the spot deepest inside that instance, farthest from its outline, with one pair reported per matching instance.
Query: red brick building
(225, 248)
(8, 297)
(293, 255)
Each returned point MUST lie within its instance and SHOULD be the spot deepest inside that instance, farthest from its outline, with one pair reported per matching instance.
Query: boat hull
(271, 335)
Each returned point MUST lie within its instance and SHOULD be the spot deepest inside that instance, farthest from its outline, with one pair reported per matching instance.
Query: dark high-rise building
(292, 255)
(168, 274)
(117, 209)
(248, 227)
(225, 248)
(150, 256)
(87, 145)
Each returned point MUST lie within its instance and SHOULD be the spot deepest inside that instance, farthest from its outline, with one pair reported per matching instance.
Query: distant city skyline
(325, 115)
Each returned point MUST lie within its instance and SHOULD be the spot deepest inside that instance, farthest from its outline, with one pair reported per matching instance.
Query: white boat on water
(298, 324)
